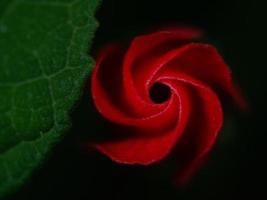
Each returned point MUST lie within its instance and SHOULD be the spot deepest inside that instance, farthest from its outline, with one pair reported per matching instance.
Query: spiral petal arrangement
(166, 91)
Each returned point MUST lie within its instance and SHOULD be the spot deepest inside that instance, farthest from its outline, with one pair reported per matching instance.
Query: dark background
(236, 168)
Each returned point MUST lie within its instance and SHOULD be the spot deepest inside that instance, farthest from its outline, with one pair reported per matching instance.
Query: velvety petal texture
(164, 91)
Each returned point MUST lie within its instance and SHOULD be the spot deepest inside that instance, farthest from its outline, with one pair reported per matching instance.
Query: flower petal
(204, 63)
(135, 88)
(204, 125)
(146, 150)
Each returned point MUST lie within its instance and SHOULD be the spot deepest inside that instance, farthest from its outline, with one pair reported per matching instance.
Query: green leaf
(43, 66)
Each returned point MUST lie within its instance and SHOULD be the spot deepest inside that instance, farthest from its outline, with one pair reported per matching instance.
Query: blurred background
(236, 168)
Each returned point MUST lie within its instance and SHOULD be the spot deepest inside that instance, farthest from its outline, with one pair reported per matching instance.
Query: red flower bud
(164, 92)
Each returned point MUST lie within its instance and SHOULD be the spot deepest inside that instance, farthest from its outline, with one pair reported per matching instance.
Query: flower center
(159, 93)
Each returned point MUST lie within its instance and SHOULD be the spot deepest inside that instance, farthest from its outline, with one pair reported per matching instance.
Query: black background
(236, 169)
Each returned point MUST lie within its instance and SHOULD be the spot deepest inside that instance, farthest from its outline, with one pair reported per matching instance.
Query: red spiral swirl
(164, 91)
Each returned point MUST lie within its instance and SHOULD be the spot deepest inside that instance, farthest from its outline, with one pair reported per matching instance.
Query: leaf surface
(43, 66)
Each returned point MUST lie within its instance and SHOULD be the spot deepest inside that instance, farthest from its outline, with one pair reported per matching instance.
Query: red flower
(162, 93)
